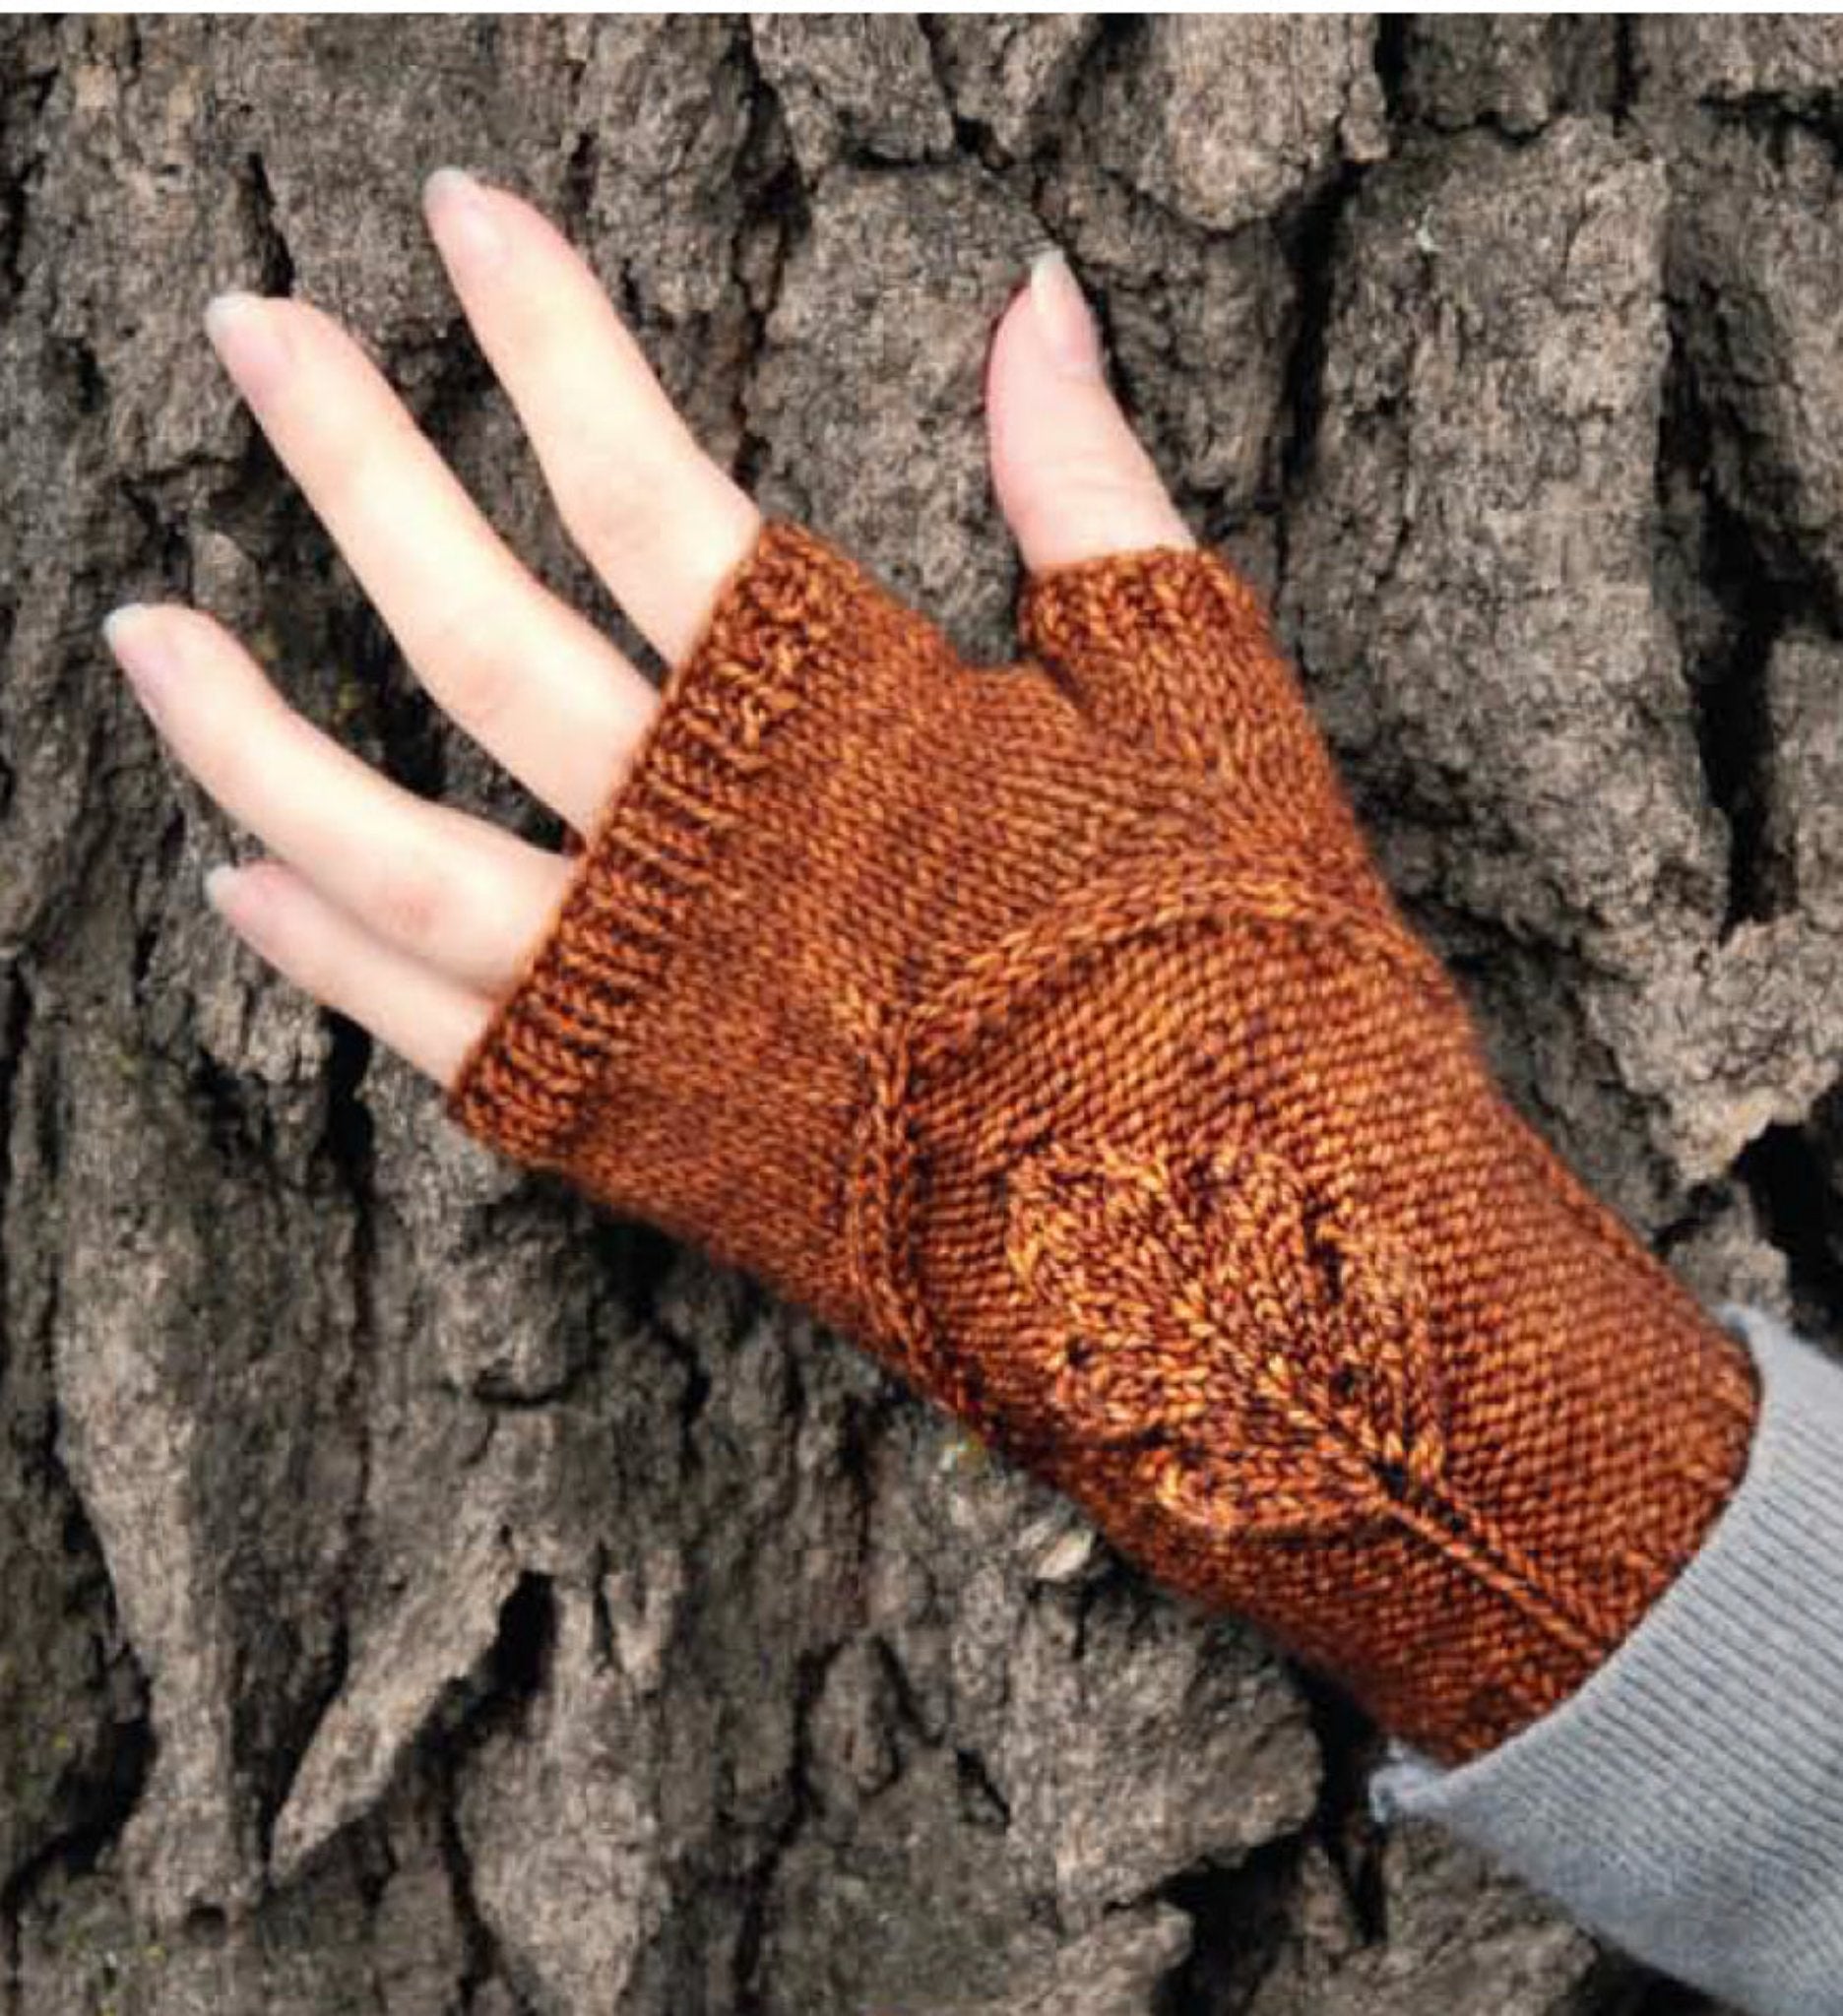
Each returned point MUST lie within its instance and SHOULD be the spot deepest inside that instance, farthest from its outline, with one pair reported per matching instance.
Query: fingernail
(249, 339)
(228, 889)
(144, 652)
(1063, 316)
(462, 217)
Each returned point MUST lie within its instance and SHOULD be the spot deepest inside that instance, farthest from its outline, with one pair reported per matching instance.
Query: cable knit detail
(1050, 1030)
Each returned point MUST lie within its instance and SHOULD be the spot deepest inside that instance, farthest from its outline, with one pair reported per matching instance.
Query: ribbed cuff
(1686, 1801)
(755, 903)
(529, 1075)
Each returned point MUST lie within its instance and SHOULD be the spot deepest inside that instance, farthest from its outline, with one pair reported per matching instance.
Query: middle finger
(533, 682)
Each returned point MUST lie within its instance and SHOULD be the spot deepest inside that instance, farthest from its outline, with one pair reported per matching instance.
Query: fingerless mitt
(1050, 1030)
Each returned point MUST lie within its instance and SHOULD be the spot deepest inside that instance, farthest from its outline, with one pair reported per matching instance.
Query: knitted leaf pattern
(1054, 1035)
(1267, 1357)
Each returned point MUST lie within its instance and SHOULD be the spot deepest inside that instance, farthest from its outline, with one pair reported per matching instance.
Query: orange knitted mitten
(1050, 1030)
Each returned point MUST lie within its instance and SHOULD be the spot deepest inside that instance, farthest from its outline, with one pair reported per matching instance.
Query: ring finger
(458, 892)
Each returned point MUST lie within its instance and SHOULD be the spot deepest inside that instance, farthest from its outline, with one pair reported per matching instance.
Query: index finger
(659, 521)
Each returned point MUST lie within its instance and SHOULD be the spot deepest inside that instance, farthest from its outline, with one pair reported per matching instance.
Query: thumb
(1072, 477)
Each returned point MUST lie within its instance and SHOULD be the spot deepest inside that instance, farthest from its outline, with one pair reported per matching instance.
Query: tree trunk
(422, 1594)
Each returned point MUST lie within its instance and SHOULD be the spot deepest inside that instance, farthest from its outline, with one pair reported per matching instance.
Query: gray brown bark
(422, 1595)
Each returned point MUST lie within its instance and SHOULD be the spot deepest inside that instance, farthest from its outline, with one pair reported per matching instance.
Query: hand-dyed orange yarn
(1050, 1030)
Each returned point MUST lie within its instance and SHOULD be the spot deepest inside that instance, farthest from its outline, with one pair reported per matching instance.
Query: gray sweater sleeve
(1686, 1803)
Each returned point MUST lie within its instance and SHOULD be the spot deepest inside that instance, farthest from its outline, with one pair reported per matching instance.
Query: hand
(413, 917)
(1049, 1032)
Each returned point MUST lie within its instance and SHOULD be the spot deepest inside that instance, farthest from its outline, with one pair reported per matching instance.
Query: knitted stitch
(1050, 1030)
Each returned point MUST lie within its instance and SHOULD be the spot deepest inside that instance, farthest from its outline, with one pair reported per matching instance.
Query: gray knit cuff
(1686, 1801)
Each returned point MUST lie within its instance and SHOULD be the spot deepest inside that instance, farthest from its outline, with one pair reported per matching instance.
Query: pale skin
(413, 917)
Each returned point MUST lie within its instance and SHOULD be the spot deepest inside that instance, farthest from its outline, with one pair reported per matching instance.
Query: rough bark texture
(423, 1596)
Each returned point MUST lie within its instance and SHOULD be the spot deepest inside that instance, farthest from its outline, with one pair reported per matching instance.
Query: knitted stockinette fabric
(1050, 1030)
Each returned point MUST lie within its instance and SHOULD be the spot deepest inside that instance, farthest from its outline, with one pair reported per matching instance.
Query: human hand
(1050, 1030)
(414, 918)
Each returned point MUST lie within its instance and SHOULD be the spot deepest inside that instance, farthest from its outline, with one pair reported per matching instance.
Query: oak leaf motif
(1267, 1354)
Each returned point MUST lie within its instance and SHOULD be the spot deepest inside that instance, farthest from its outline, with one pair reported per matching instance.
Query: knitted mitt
(1050, 1030)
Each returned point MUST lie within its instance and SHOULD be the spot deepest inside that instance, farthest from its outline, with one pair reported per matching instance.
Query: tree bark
(425, 1595)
